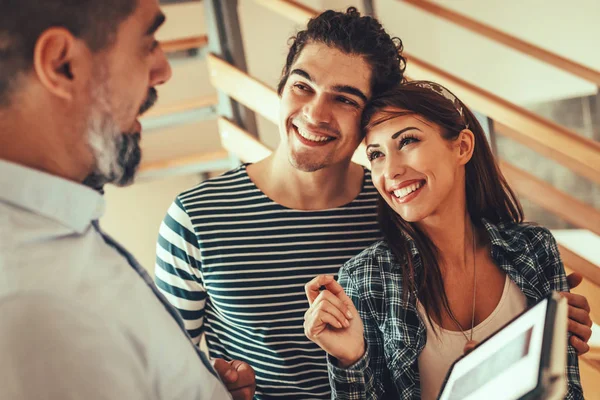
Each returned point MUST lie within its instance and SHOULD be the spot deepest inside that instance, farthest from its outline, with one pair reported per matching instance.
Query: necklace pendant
(469, 346)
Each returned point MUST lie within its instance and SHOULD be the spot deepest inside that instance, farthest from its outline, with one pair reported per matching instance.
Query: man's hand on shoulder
(580, 323)
(238, 377)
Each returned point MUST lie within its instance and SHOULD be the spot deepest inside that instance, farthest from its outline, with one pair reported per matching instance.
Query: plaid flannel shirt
(394, 332)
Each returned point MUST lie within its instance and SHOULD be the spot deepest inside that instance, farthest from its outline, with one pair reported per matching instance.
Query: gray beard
(121, 162)
(117, 155)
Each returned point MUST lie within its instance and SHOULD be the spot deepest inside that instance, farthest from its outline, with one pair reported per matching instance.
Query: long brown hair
(487, 192)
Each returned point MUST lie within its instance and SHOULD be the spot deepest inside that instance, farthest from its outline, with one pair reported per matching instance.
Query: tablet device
(525, 359)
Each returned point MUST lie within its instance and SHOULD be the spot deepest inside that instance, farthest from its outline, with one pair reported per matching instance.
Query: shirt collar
(502, 238)
(498, 237)
(69, 203)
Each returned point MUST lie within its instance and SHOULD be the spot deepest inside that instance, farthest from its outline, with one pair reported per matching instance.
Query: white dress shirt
(77, 320)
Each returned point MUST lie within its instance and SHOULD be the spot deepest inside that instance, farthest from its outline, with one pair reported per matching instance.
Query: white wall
(133, 214)
(568, 28)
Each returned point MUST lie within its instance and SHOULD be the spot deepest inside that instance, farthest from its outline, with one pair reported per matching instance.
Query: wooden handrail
(191, 43)
(299, 13)
(594, 353)
(292, 10)
(241, 143)
(513, 42)
(590, 287)
(582, 154)
(189, 105)
(588, 370)
(581, 265)
(552, 199)
(250, 92)
(537, 146)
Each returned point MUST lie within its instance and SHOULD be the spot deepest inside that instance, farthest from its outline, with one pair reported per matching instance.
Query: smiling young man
(235, 252)
(80, 318)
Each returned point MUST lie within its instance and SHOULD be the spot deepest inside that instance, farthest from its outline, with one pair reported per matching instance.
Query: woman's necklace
(470, 341)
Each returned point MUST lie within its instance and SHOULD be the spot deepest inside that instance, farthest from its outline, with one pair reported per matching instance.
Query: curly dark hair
(23, 21)
(357, 35)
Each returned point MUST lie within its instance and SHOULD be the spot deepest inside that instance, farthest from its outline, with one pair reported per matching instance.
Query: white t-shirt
(442, 350)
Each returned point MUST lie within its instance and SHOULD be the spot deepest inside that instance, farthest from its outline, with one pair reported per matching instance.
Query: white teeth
(405, 191)
(311, 137)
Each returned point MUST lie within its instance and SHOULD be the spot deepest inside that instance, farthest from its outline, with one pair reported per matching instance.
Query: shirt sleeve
(52, 350)
(178, 269)
(555, 272)
(361, 381)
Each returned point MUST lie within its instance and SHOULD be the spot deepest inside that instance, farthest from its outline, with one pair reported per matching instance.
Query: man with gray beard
(80, 317)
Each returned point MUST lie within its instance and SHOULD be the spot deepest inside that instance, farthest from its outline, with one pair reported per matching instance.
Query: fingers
(582, 331)
(326, 310)
(327, 296)
(246, 376)
(328, 303)
(574, 279)
(238, 377)
(224, 369)
(313, 288)
(580, 315)
(324, 314)
(576, 300)
(580, 346)
(330, 307)
(246, 393)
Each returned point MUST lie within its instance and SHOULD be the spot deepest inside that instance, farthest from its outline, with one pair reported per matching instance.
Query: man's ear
(466, 146)
(57, 59)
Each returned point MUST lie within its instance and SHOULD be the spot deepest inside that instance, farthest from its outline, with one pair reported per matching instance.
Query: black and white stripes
(235, 263)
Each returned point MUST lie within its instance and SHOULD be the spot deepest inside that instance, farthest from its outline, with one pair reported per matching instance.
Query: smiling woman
(456, 263)
(439, 151)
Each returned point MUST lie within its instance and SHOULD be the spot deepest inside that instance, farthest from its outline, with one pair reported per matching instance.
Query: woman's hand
(332, 321)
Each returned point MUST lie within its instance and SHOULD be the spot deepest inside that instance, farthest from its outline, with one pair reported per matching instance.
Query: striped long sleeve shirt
(234, 263)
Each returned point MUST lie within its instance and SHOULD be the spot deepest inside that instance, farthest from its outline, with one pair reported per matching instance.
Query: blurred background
(530, 68)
